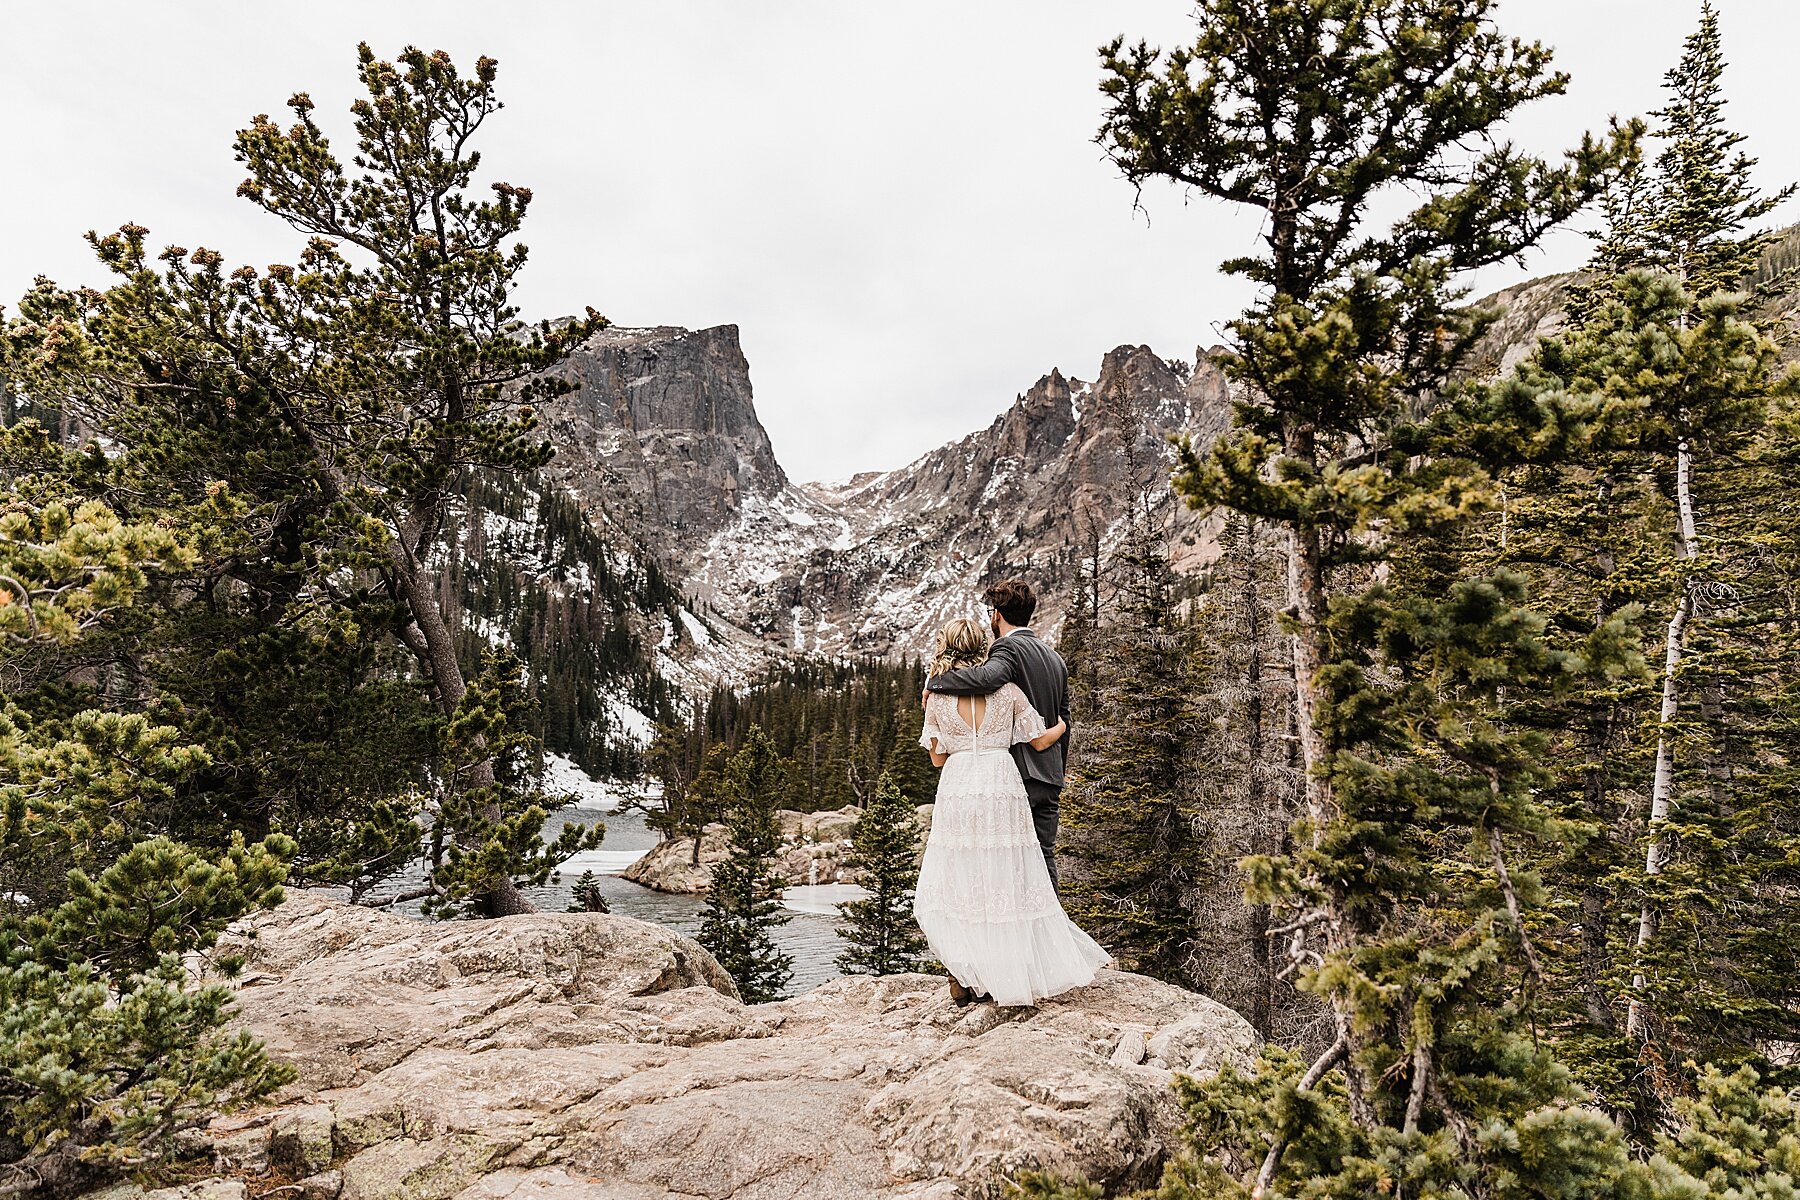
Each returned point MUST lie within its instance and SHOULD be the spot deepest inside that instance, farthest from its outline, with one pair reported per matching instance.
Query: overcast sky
(900, 205)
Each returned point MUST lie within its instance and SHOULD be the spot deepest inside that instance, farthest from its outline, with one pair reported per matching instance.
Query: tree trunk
(1262, 1004)
(1306, 599)
(438, 647)
(1662, 786)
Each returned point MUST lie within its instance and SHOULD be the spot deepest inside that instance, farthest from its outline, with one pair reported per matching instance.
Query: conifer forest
(1462, 766)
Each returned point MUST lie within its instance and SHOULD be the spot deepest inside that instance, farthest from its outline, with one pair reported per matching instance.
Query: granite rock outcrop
(585, 1055)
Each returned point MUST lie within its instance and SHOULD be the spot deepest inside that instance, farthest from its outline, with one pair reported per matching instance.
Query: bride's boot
(961, 996)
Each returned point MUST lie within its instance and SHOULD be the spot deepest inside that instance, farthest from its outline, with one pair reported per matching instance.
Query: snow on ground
(697, 631)
(786, 504)
(510, 531)
(723, 654)
(492, 631)
(631, 724)
(563, 778)
(821, 898)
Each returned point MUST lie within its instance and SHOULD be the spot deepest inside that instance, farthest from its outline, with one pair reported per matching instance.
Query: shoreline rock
(814, 846)
(585, 1055)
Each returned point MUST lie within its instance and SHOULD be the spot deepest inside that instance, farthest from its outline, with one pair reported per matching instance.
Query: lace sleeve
(932, 729)
(1026, 724)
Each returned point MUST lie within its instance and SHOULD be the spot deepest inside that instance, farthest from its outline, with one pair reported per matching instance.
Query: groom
(1018, 656)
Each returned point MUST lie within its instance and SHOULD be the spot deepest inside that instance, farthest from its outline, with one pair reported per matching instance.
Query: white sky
(900, 205)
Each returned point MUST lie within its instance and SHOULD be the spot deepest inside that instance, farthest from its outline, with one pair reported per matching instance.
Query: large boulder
(587, 1055)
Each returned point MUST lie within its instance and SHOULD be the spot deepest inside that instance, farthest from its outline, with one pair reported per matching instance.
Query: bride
(984, 899)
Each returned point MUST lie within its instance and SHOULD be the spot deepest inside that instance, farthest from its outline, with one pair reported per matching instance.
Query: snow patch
(631, 724)
(563, 778)
(492, 631)
(697, 631)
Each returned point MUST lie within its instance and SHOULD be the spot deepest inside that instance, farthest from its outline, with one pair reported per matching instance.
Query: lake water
(810, 935)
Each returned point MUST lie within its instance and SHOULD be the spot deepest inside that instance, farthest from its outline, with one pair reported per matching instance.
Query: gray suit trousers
(1046, 801)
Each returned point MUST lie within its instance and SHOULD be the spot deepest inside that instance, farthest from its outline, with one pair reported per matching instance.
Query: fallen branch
(418, 893)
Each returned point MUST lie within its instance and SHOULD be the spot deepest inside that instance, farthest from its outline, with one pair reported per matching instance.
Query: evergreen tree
(689, 802)
(837, 725)
(1666, 520)
(1413, 925)
(547, 586)
(884, 938)
(1247, 787)
(1699, 224)
(1697, 937)
(1133, 837)
(108, 1050)
(743, 905)
(1696, 231)
(586, 895)
(380, 368)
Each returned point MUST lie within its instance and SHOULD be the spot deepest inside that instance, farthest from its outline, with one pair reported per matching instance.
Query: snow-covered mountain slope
(660, 442)
(874, 565)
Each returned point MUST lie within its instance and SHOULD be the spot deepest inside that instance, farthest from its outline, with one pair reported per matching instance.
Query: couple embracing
(986, 898)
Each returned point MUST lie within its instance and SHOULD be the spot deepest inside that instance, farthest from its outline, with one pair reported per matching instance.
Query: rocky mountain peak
(1138, 369)
(659, 439)
(1040, 420)
(873, 565)
(661, 429)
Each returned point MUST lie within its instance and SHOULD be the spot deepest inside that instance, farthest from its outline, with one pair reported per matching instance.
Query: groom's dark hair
(1013, 600)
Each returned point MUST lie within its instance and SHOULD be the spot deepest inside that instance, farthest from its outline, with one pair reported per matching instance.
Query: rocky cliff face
(1048, 483)
(582, 1055)
(661, 431)
(661, 437)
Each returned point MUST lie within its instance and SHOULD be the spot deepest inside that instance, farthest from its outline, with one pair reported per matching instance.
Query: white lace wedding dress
(984, 899)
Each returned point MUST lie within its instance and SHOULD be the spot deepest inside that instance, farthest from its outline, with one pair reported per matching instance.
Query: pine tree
(1713, 839)
(402, 286)
(743, 905)
(108, 1050)
(837, 725)
(1697, 232)
(1668, 517)
(1699, 226)
(884, 847)
(1578, 528)
(1411, 923)
(586, 895)
(691, 796)
(904, 763)
(1247, 788)
(1132, 834)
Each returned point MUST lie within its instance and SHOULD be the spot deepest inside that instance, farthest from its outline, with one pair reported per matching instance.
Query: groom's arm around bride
(1018, 656)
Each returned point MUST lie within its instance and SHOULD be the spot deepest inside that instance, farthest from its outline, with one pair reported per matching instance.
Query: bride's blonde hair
(961, 643)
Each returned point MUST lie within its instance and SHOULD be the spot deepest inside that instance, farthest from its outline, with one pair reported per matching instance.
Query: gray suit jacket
(1022, 658)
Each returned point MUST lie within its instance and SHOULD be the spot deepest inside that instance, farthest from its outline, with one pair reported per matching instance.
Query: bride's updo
(961, 643)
